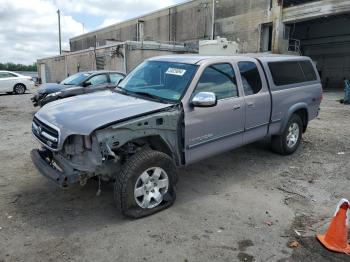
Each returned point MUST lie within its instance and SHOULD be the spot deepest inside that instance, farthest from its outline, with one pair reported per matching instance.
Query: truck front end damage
(103, 152)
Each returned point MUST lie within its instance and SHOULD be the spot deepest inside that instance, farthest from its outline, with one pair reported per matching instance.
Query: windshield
(165, 80)
(75, 79)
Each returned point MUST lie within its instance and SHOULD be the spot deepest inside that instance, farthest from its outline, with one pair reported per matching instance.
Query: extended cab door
(212, 130)
(257, 101)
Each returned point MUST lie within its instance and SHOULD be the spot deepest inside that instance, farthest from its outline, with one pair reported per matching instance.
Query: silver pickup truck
(172, 111)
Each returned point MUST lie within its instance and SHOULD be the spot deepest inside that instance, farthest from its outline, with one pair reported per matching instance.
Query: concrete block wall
(112, 57)
(55, 68)
(133, 57)
(188, 23)
(80, 62)
(244, 25)
(315, 9)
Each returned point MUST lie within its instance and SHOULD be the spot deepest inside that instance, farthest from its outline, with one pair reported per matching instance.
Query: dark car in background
(77, 84)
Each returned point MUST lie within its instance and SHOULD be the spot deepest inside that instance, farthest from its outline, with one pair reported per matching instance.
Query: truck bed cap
(195, 59)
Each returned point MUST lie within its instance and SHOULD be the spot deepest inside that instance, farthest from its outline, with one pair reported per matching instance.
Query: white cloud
(114, 11)
(113, 8)
(29, 30)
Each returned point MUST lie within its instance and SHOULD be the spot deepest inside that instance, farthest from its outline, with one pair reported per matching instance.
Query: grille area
(46, 134)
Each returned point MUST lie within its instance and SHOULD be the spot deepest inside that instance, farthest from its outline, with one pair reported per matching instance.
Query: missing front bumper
(45, 167)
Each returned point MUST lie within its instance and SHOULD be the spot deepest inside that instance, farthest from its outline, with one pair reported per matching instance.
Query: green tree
(17, 67)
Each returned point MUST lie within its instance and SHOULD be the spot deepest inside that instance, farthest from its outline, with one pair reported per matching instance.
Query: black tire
(279, 143)
(19, 89)
(131, 171)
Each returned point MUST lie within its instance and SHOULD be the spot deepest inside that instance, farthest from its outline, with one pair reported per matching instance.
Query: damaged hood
(81, 115)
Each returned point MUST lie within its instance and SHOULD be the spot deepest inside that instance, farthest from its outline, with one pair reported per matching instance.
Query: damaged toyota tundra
(170, 112)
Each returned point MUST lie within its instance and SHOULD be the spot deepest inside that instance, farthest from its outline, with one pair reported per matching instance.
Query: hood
(83, 114)
(50, 88)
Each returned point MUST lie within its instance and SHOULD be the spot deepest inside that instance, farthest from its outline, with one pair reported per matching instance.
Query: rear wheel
(146, 184)
(289, 141)
(19, 89)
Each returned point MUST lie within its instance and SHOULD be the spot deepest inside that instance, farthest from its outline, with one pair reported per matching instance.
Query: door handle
(236, 107)
(250, 104)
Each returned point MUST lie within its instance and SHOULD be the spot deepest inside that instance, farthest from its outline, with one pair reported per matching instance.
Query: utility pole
(59, 30)
(213, 21)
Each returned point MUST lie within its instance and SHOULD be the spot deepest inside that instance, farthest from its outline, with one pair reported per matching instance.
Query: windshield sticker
(176, 71)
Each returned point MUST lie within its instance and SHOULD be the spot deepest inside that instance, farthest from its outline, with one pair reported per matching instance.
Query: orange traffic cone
(336, 237)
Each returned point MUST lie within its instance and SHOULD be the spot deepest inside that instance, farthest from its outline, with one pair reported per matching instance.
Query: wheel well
(303, 114)
(154, 142)
(20, 84)
(157, 143)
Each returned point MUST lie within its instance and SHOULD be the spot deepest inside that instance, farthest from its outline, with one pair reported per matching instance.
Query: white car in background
(11, 82)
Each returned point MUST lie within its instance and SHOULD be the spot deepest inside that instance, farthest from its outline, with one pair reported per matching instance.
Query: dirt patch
(244, 244)
(311, 250)
(245, 257)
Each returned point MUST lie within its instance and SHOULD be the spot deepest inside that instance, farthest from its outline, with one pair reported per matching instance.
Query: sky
(29, 28)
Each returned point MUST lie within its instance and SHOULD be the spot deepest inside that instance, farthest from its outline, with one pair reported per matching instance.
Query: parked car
(11, 82)
(170, 112)
(77, 84)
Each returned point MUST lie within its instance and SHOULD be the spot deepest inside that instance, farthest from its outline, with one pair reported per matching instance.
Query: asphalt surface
(246, 205)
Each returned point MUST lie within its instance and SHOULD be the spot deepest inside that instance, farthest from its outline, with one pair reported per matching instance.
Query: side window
(115, 78)
(6, 75)
(219, 79)
(308, 70)
(250, 78)
(99, 79)
(286, 73)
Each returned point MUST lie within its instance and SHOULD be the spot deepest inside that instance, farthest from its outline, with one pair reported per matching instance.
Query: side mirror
(204, 99)
(87, 84)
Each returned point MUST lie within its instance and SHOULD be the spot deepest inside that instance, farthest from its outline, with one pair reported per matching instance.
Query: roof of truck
(100, 71)
(195, 59)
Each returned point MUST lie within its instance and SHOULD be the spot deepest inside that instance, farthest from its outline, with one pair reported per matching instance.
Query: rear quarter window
(250, 78)
(292, 72)
(308, 70)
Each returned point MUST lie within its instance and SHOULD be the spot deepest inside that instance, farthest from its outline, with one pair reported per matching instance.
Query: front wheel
(146, 184)
(289, 141)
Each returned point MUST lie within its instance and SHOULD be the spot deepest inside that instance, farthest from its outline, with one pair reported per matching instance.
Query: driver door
(213, 130)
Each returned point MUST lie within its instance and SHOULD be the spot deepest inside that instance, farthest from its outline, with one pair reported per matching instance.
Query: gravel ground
(244, 205)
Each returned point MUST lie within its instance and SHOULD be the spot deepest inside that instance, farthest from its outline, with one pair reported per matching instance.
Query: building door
(265, 37)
